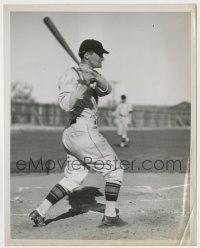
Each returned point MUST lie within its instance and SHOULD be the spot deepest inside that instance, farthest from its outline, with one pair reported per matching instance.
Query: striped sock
(110, 208)
(111, 192)
(44, 207)
(56, 194)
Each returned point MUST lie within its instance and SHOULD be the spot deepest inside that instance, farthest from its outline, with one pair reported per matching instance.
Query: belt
(75, 121)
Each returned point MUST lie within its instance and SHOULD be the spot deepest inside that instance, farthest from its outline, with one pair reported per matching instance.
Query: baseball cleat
(37, 218)
(122, 144)
(112, 221)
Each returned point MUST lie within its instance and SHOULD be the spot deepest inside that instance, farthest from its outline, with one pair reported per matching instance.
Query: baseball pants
(122, 126)
(87, 148)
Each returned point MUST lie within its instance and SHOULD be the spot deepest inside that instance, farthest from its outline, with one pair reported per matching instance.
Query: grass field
(149, 150)
(156, 206)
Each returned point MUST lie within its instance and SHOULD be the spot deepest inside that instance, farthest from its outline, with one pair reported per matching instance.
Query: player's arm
(130, 110)
(130, 114)
(117, 111)
(103, 87)
(69, 90)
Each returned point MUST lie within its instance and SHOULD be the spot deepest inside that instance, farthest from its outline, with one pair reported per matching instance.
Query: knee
(115, 176)
(74, 178)
(69, 185)
(72, 183)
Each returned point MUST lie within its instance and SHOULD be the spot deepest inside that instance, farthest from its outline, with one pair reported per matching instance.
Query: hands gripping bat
(60, 38)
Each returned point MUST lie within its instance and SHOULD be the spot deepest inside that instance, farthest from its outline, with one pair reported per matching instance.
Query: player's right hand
(87, 73)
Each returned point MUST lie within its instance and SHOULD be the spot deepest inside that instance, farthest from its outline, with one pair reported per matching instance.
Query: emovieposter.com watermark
(48, 165)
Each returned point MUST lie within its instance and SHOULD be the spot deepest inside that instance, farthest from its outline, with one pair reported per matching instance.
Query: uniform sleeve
(101, 92)
(117, 111)
(130, 108)
(69, 90)
(66, 85)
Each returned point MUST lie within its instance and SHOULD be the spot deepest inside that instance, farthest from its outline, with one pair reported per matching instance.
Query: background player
(123, 119)
(80, 89)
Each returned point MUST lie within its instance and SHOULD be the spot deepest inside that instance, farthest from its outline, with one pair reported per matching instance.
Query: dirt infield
(154, 205)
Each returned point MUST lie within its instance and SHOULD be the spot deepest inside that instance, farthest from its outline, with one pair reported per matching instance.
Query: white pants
(122, 126)
(87, 148)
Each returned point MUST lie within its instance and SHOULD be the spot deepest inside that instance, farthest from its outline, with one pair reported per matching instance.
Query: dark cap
(91, 45)
(123, 97)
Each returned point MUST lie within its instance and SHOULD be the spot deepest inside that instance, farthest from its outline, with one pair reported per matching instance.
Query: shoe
(37, 218)
(113, 221)
(122, 144)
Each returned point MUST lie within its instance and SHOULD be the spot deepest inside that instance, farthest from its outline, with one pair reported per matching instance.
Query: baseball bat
(60, 38)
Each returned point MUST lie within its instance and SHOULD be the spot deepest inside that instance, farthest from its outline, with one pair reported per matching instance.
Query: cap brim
(105, 51)
(101, 51)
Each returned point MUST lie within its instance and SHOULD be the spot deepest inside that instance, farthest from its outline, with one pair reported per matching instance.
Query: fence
(142, 116)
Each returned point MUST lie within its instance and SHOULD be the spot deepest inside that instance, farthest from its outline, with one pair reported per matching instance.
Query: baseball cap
(123, 97)
(92, 45)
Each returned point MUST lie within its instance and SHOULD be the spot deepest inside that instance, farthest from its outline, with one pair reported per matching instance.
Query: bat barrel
(59, 38)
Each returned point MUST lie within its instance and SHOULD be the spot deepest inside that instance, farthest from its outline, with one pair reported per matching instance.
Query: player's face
(95, 60)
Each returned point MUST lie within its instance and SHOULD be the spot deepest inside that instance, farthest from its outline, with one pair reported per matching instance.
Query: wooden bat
(60, 38)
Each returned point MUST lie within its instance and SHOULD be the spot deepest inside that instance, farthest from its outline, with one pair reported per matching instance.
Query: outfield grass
(156, 146)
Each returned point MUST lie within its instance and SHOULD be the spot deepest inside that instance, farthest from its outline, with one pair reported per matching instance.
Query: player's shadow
(81, 201)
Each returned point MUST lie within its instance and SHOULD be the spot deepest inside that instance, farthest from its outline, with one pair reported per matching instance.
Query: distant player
(80, 89)
(123, 116)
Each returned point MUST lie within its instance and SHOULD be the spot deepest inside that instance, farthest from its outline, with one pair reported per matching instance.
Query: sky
(149, 53)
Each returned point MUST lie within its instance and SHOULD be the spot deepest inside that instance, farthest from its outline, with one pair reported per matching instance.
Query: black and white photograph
(101, 125)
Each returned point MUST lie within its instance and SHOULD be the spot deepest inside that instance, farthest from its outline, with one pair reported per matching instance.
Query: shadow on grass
(81, 201)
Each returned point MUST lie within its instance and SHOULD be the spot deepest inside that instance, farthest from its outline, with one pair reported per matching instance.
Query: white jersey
(71, 90)
(81, 138)
(123, 109)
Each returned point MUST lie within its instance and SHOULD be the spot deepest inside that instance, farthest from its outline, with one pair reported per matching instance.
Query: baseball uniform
(122, 114)
(86, 147)
(84, 143)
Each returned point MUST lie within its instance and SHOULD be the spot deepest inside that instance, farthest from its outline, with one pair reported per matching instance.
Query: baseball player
(123, 115)
(79, 92)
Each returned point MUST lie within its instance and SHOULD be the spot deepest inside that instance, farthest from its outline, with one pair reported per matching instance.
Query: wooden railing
(142, 116)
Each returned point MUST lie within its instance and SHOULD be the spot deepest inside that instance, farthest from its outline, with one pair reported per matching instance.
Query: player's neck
(87, 63)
